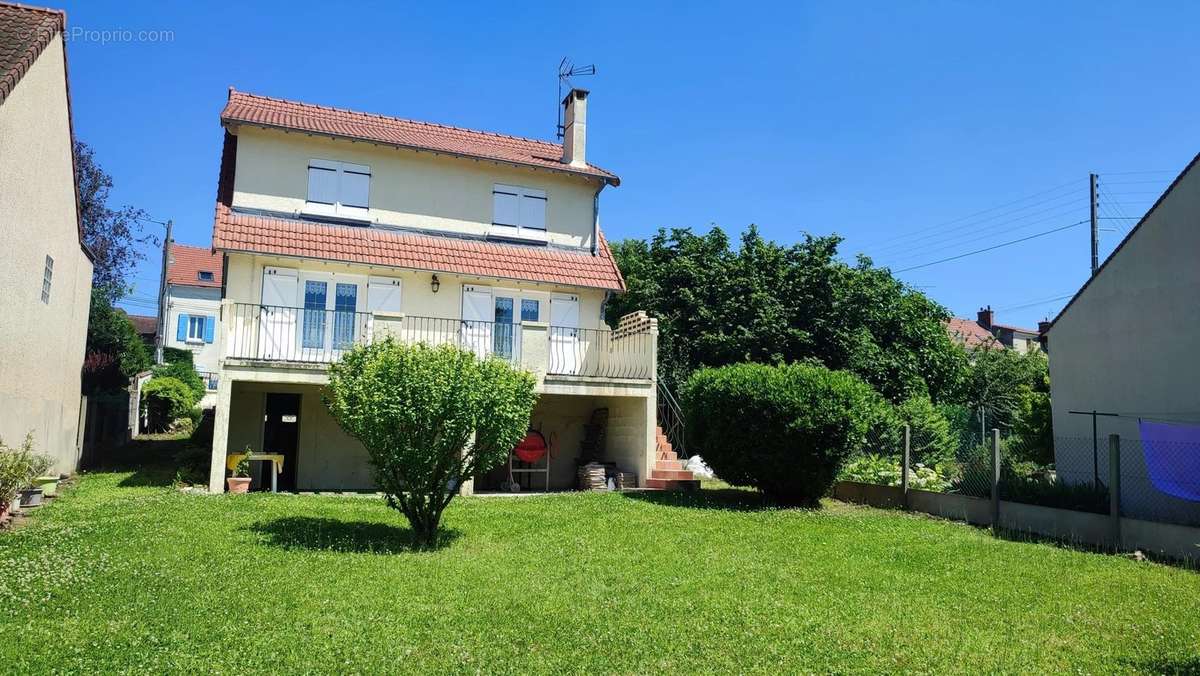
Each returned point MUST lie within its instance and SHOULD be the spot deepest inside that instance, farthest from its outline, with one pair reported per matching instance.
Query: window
(47, 275)
(205, 275)
(195, 329)
(339, 188)
(519, 211)
(530, 310)
(345, 300)
(313, 335)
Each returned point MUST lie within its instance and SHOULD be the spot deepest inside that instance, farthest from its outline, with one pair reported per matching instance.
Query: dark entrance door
(281, 434)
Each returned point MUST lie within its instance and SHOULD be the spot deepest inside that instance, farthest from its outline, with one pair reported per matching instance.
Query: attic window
(205, 275)
(519, 211)
(338, 188)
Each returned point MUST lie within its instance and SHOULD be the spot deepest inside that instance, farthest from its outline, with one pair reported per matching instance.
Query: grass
(128, 574)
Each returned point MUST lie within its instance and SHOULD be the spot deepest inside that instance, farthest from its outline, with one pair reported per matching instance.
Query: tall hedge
(785, 430)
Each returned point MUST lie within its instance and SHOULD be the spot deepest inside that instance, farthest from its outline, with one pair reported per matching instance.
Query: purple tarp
(1172, 455)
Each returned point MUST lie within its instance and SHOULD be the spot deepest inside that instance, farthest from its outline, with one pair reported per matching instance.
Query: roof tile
(24, 33)
(187, 262)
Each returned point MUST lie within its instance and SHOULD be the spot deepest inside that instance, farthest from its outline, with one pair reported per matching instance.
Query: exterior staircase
(668, 473)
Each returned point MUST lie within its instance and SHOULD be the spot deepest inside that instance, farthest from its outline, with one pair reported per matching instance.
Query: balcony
(289, 335)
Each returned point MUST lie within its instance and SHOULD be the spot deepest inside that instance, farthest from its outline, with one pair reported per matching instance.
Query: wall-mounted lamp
(435, 284)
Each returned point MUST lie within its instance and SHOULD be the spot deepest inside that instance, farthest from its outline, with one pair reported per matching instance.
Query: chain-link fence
(1159, 480)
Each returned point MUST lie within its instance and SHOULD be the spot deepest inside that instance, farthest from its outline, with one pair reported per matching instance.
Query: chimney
(575, 128)
(986, 317)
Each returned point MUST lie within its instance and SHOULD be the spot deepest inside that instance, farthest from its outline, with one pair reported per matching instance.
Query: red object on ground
(531, 448)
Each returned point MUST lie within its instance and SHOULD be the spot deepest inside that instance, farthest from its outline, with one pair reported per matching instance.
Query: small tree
(167, 399)
(430, 419)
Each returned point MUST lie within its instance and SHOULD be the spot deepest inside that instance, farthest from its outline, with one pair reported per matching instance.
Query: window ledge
(515, 234)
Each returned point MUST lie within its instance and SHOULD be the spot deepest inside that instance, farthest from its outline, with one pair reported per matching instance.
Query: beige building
(1128, 344)
(47, 271)
(338, 227)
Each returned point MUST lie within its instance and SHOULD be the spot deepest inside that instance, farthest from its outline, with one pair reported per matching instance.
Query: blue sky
(887, 123)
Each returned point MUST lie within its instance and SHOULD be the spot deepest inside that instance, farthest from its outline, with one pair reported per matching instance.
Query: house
(339, 227)
(193, 305)
(984, 331)
(146, 328)
(47, 270)
(1126, 346)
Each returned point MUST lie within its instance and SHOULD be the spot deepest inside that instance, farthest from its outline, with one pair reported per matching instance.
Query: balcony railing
(600, 353)
(318, 336)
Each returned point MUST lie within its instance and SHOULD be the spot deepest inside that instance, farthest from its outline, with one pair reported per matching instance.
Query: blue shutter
(181, 330)
(210, 324)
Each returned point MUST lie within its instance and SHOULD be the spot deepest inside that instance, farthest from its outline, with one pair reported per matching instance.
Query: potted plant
(35, 465)
(13, 471)
(240, 481)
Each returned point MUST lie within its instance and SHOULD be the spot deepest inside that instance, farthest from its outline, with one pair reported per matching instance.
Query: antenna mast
(566, 71)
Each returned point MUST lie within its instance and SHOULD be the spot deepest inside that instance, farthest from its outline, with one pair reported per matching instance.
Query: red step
(669, 464)
(671, 474)
(673, 484)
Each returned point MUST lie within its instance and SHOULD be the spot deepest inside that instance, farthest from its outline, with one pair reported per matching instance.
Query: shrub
(931, 439)
(165, 399)
(785, 430)
(876, 469)
(18, 467)
(184, 372)
(430, 418)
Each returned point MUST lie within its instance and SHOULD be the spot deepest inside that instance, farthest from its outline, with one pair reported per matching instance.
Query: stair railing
(670, 419)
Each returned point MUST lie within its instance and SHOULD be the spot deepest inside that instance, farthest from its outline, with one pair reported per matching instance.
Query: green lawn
(126, 574)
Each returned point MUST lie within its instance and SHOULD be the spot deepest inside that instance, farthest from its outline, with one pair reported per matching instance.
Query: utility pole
(160, 338)
(1092, 184)
(1095, 442)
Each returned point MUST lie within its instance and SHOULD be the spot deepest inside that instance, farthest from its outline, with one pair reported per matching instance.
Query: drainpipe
(596, 219)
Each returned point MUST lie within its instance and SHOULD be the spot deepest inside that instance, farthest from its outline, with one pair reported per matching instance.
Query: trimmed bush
(184, 372)
(430, 419)
(166, 399)
(785, 430)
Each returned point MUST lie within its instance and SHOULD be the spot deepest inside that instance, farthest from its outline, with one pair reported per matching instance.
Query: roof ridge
(394, 118)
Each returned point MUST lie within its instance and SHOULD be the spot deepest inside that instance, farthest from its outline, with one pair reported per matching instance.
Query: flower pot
(48, 484)
(238, 484)
(31, 497)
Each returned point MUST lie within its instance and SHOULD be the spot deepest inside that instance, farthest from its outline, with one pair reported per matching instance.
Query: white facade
(193, 318)
(46, 276)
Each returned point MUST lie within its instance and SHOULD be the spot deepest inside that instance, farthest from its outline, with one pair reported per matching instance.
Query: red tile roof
(252, 109)
(234, 231)
(143, 324)
(187, 262)
(24, 33)
(971, 334)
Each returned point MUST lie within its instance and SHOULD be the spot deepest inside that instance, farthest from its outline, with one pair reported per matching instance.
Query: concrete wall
(243, 284)
(41, 345)
(408, 188)
(1128, 344)
(327, 459)
(195, 300)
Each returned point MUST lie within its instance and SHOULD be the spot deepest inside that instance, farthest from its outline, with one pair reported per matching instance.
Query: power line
(1035, 303)
(970, 216)
(991, 248)
(959, 241)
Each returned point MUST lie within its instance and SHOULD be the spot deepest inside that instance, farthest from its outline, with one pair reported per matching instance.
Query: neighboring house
(985, 331)
(339, 227)
(147, 329)
(1127, 344)
(47, 271)
(193, 302)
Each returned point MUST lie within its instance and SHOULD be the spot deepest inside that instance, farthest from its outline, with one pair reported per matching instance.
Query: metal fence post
(995, 479)
(1114, 488)
(904, 466)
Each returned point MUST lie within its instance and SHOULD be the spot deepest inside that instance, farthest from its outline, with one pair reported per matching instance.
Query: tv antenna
(566, 71)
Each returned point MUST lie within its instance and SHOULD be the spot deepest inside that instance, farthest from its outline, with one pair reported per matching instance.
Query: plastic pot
(238, 484)
(31, 497)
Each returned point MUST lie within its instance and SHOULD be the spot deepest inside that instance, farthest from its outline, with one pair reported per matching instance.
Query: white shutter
(383, 295)
(505, 205)
(322, 183)
(279, 287)
(477, 304)
(533, 209)
(356, 186)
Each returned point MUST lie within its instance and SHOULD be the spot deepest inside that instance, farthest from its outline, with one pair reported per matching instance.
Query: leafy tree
(183, 369)
(785, 430)
(931, 438)
(770, 303)
(111, 234)
(430, 419)
(994, 381)
(114, 351)
(1033, 434)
